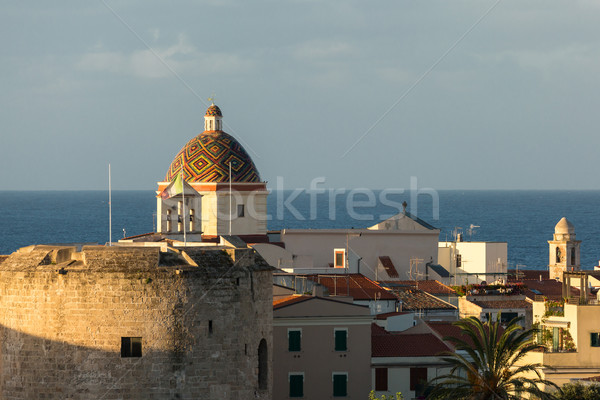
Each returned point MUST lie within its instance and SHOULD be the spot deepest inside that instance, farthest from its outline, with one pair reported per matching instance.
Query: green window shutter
(341, 340)
(340, 383)
(296, 385)
(595, 339)
(294, 340)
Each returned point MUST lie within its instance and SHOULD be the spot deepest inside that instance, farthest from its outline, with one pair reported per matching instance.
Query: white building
(402, 247)
(474, 262)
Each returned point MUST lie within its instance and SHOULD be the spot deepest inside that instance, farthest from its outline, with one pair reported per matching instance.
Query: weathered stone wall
(61, 326)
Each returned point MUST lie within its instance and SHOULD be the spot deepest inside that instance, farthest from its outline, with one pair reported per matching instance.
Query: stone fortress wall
(201, 314)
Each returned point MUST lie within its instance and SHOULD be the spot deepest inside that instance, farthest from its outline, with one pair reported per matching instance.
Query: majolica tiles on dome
(206, 158)
(213, 111)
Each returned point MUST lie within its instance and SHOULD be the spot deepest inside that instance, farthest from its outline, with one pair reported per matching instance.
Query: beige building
(487, 307)
(405, 358)
(321, 348)
(571, 339)
(402, 247)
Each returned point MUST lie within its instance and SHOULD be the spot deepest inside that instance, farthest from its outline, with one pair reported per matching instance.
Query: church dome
(564, 226)
(206, 157)
(213, 111)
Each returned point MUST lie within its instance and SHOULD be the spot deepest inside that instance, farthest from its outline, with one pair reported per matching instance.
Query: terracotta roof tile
(548, 288)
(415, 299)
(430, 286)
(390, 314)
(527, 274)
(444, 329)
(502, 304)
(385, 344)
(357, 286)
(286, 301)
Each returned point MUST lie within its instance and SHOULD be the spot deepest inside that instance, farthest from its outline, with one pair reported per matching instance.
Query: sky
(455, 94)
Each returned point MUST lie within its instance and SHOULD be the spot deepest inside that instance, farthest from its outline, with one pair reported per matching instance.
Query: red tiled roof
(415, 299)
(358, 286)
(388, 265)
(385, 344)
(444, 329)
(527, 274)
(389, 314)
(549, 288)
(378, 330)
(502, 304)
(286, 301)
(430, 286)
(591, 379)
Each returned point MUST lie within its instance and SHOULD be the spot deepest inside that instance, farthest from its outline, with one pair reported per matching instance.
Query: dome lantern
(213, 118)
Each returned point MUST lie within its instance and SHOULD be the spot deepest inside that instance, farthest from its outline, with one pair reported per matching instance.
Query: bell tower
(564, 250)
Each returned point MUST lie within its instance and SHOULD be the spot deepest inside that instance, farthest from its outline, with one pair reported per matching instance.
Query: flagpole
(230, 213)
(183, 208)
(109, 208)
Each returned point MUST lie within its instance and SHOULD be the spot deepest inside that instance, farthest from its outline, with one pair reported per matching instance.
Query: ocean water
(524, 219)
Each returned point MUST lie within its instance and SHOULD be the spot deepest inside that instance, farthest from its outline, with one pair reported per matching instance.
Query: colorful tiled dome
(206, 158)
(213, 111)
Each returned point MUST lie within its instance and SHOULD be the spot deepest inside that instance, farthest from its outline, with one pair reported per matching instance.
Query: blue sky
(462, 94)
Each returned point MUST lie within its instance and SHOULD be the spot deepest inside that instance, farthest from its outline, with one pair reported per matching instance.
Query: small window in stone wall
(131, 347)
(595, 339)
(210, 327)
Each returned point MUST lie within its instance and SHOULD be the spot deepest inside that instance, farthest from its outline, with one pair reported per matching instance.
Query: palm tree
(489, 370)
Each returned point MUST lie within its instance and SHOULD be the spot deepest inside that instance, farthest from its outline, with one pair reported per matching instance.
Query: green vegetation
(577, 391)
(485, 365)
(397, 396)
(554, 308)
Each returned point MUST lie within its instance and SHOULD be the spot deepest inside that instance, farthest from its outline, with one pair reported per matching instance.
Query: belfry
(564, 250)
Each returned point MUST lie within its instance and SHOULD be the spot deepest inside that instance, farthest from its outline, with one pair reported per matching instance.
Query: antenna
(109, 209)
(414, 263)
(471, 230)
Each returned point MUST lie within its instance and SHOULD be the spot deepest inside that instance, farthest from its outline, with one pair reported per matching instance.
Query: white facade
(402, 240)
(179, 213)
(474, 262)
(248, 211)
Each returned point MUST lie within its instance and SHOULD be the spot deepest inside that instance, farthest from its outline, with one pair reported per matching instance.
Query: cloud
(573, 59)
(163, 62)
(319, 51)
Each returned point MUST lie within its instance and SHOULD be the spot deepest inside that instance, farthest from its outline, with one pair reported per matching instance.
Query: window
(131, 347)
(341, 339)
(595, 336)
(296, 384)
(381, 379)
(240, 210)
(192, 225)
(340, 384)
(458, 261)
(294, 339)
(339, 259)
(210, 327)
(505, 318)
(418, 377)
(263, 365)
(169, 226)
(573, 256)
(558, 255)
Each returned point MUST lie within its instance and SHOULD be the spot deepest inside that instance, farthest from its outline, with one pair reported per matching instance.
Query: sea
(525, 219)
